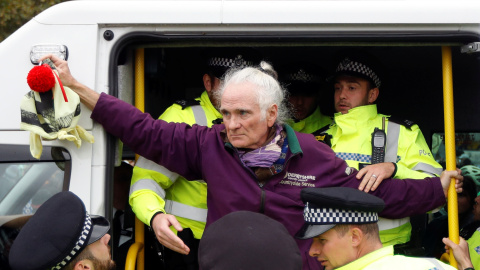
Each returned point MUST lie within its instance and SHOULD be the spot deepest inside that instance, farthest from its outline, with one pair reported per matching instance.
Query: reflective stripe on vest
(387, 224)
(199, 114)
(186, 211)
(435, 262)
(392, 150)
(392, 142)
(172, 207)
(427, 168)
(148, 184)
(152, 166)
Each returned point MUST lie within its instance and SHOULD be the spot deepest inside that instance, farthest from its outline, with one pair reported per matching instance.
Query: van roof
(262, 12)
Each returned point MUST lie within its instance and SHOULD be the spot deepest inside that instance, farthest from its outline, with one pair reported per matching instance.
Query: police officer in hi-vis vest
(305, 83)
(362, 137)
(342, 222)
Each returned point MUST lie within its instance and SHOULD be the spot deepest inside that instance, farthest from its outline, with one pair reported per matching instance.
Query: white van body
(81, 26)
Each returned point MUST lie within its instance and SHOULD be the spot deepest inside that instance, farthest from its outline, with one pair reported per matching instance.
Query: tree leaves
(15, 13)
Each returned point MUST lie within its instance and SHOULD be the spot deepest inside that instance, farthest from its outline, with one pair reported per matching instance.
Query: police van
(148, 53)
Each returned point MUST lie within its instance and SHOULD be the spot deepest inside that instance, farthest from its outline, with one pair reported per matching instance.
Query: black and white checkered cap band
(237, 62)
(82, 241)
(353, 66)
(322, 216)
(302, 76)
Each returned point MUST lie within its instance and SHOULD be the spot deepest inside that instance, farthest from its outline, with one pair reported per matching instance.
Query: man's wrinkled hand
(445, 179)
(62, 69)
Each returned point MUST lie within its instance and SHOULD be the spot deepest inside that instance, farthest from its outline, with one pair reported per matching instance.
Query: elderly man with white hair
(253, 161)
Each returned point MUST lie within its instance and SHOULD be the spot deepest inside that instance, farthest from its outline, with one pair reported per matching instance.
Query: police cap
(327, 207)
(303, 78)
(248, 240)
(219, 60)
(360, 64)
(59, 230)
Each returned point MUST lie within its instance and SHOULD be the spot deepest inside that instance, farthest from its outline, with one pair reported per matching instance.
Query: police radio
(379, 138)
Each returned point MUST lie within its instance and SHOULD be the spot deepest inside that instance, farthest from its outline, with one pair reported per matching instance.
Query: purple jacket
(198, 152)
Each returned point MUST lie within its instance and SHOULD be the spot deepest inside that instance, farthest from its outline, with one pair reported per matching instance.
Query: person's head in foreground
(248, 240)
(342, 222)
(62, 235)
(253, 105)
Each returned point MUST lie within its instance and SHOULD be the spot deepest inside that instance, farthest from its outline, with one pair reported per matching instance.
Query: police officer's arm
(149, 203)
(150, 180)
(416, 161)
(147, 197)
(148, 185)
(166, 236)
(148, 206)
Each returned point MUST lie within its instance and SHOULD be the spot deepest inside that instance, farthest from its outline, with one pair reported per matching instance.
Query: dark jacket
(198, 152)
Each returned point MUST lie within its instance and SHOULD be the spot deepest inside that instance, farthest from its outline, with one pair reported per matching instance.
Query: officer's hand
(63, 70)
(460, 252)
(445, 179)
(374, 174)
(161, 226)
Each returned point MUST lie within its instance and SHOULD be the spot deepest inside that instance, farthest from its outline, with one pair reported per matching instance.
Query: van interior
(411, 74)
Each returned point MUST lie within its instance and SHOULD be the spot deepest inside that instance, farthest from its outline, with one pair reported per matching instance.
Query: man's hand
(63, 70)
(460, 252)
(445, 179)
(374, 174)
(87, 96)
(161, 226)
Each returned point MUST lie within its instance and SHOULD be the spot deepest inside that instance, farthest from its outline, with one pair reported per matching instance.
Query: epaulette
(321, 135)
(185, 103)
(217, 121)
(400, 121)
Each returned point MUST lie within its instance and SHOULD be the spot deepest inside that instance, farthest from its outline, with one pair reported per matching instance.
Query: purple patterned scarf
(266, 155)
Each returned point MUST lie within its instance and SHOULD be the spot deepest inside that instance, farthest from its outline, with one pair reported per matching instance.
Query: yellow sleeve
(150, 181)
(416, 160)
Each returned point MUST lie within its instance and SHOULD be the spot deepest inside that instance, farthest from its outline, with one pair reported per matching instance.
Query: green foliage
(15, 13)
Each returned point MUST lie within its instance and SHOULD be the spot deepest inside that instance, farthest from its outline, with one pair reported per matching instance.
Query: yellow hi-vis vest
(351, 141)
(312, 123)
(384, 259)
(154, 188)
(474, 248)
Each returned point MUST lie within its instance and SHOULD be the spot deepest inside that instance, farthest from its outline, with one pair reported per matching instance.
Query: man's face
(101, 251)
(463, 203)
(331, 249)
(242, 117)
(303, 105)
(351, 92)
(212, 84)
(476, 209)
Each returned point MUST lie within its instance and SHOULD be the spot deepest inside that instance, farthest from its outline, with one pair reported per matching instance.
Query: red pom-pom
(40, 78)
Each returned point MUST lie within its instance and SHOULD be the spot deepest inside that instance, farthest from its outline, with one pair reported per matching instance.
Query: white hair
(268, 89)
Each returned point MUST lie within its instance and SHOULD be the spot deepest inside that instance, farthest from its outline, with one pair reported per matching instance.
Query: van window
(467, 150)
(26, 183)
